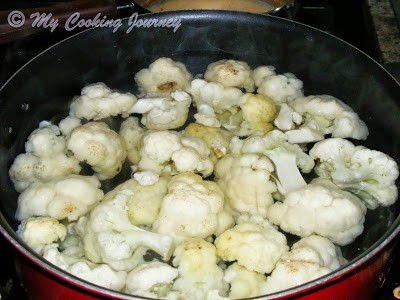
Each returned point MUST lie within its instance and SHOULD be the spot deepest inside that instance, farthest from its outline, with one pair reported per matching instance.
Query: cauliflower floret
(280, 88)
(99, 274)
(101, 147)
(254, 243)
(310, 258)
(28, 168)
(41, 231)
(261, 72)
(162, 77)
(287, 118)
(243, 283)
(167, 152)
(258, 112)
(132, 133)
(154, 277)
(144, 201)
(97, 101)
(231, 72)
(286, 157)
(320, 208)
(324, 114)
(164, 113)
(217, 139)
(199, 273)
(45, 141)
(68, 124)
(245, 180)
(193, 207)
(45, 158)
(63, 198)
(370, 174)
(109, 236)
(215, 96)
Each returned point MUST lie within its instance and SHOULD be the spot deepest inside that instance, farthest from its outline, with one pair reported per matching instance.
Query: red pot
(324, 63)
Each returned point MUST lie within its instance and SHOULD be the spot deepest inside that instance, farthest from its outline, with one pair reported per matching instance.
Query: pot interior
(43, 89)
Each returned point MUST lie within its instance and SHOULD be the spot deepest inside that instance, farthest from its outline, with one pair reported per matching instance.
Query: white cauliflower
(68, 124)
(98, 274)
(310, 258)
(370, 174)
(97, 101)
(167, 152)
(109, 236)
(217, 139)
(62, 198)
(258, 112)
(246, 182)
(154, 279)
(38, 232)
(322, 115)
(144, 201)
(253, 243)
(163, 76)
(262, 72)
(320, 208)
(193, 207)
(132, 133)
(45, 141)
(243, 283)
(196, 261)
(280, 88)
(164, 113)
(100, 147)
(286, 157)
(231, 72)
(46, 158)
(216, 97)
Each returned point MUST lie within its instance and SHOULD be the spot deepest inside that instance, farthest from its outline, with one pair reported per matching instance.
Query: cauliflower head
(320, 208)
(144, 201)
(322, 115)
(193, 207)
(100, 147)
(246, 182)
(280, 88)
(244, 283)
(38, 232)
(199, 274)
(131, 133)
(230, 72)
(215, 95)
(253, 243)
(45, 158)
(216, 138)
(167, 152)
(155, 278)
(288, 158)
(258, 112)
(62, 198)
(98, 274)
(163, 76)
(164, 113)
(370, 174)
(97, 101)
(110, 237)
(310, 258)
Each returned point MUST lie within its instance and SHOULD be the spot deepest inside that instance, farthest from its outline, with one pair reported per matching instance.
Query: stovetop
(349, 20)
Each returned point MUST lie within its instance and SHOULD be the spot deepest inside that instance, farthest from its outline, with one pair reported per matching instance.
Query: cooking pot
(44, 87)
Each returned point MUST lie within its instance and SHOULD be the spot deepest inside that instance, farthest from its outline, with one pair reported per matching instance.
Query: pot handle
(15, 24)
